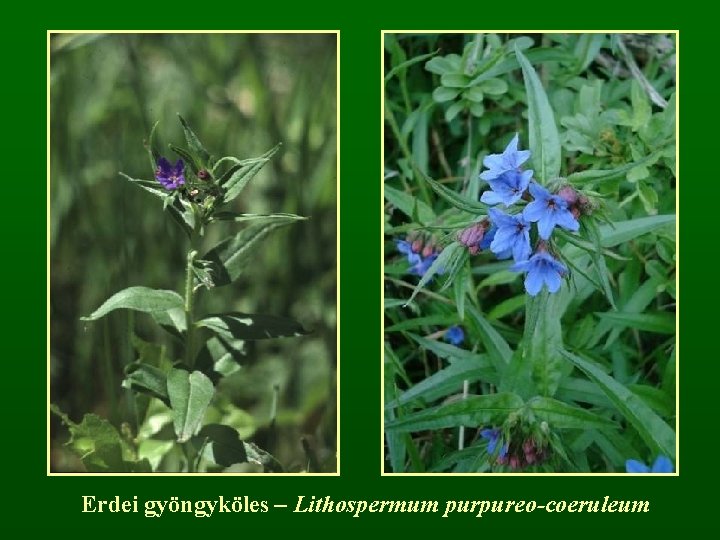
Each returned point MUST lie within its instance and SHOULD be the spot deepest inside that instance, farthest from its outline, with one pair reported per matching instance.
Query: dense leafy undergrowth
(530, 280)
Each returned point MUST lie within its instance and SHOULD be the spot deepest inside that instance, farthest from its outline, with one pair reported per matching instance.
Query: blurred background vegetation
(242, 94)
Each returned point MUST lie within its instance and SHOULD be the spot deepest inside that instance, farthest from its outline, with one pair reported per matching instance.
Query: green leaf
(187, 156)
(255, 454)
(190, 394)
(151, 186)
(496, 346)
(560, 415)
(151, 146)
(458, 201)
(407, 204)
(475, 411)
(407, 63)
(545, 343)
(100, 446)
(447, 381)
(659, 323)
(544, 138)
(233, 216)
(624, 231)
(146, 379)
(599, 260)
(653, 430)
(229, 258)
(239, 179)
(598, 176)
(420, 322)
(251, 327)
(442, 94)
(220, 444)
(448, 256)
(139, 299)
(454, 80)
(194, 143)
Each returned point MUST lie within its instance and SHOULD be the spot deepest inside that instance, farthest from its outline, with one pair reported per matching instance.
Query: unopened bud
(428, 250)
(203, 174)
(569, 195)
(417, 245)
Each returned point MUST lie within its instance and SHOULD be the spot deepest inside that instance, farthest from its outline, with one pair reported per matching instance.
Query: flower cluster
(420, 254)
(512, 453)
(508, 236)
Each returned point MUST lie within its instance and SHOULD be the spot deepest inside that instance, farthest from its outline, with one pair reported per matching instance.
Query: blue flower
(662, 465)
(493, 438)
(541, 269)
(418, 264)
(512, 236)
(170, 176)
(455, 335)
(424, 265)
(510, 159)
(549, 210)
(507, 181)
(488, 238)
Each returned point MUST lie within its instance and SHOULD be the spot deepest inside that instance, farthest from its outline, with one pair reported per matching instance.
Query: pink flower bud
(569, 195)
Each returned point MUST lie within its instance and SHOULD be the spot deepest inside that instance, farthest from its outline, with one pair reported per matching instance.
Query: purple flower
(662, 465)
(171, 177)
(512, 236)
(493, 438)
(549, 210)
(455, 335)
(541, 269)
(507, 180)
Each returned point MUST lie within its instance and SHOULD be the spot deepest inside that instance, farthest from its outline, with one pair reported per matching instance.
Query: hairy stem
(189, 305)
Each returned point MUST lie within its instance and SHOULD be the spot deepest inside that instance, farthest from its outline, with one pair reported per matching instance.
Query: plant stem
(189, 304)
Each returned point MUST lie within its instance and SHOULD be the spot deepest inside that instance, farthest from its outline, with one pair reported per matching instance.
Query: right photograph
(530, 198)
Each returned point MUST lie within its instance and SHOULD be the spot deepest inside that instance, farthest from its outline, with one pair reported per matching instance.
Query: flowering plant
(175, 393)
(562, 370)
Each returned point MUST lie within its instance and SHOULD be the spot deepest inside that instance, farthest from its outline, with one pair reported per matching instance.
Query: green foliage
(580, 380)
(181, 377)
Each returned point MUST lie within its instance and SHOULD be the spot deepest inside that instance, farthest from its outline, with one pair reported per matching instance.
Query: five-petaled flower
(170, 176)
(549, 210)
(493, 438)
(455, 335)
(507, 180)
(662, 465)
(512, 236)
(541, 269)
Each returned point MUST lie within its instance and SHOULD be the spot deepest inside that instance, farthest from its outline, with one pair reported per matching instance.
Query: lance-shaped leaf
(544, 138)
(190, 394)
(233, 216)
(447, 381)
(229, 257)
(194, 143)
(560, 415)
(239, 179)
(147, 379)
(474, 411)
(653, 429)
(250, 327)
(624, 231)
(142, 299)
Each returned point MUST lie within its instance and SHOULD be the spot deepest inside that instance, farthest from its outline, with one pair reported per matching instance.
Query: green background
(53, 502)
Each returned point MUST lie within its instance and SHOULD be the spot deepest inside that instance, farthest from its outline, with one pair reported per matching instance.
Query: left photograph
(192, 253)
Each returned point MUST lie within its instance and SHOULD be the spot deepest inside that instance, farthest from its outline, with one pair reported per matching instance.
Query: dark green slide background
(33, 500)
